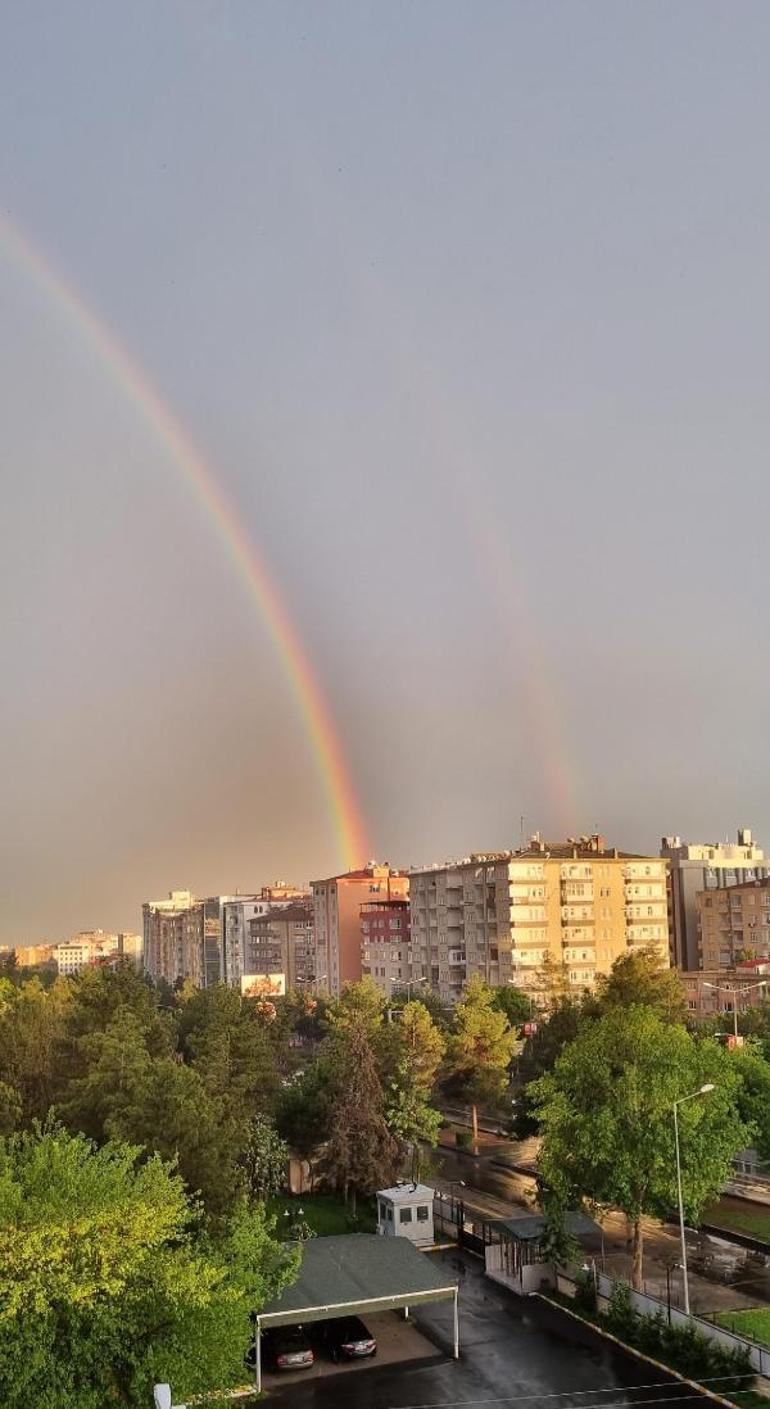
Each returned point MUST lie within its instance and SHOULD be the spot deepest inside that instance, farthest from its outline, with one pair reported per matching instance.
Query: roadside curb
(637, 1354)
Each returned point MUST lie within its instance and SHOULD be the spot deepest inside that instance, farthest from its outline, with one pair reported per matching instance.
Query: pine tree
(361, 1155)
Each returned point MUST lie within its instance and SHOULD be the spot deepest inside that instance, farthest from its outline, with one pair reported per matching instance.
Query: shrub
(585, 1292)
(464, 1140)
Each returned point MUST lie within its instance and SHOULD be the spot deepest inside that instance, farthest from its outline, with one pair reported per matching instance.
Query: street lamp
(736, 992)
(709, 1086)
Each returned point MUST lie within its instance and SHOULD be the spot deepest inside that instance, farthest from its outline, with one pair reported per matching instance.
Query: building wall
(571, 908)
(700, 866)
(733, 925)
(337, 905)
(183, 938)
(711, 992)
(283, 942)
(386, 953)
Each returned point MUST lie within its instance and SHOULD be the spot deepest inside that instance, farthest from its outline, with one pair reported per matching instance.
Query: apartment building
(183, 938)
(386, 948)
(572, 907)
(91, 947)
(237, 916)
(733, 924)
(337, 905)
(715, 992)
(281, 941)
(28, 956)
(701, 866)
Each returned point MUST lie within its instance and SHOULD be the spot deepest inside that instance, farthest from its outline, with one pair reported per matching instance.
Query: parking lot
(510, 1350)
(398, 1342)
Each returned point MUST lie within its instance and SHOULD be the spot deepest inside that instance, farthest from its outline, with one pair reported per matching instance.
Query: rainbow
(158, 416)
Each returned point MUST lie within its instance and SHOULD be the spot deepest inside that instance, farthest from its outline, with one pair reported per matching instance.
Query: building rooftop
(407, 1193)
(353, 1270)
(584, 848)
(295, 910)
(529, 1227)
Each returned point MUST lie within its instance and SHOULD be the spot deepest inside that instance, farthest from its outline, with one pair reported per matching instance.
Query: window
(404, 1215)
(389, 1213)
(422, 1213)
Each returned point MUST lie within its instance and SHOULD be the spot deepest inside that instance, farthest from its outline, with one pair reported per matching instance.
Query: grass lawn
(754, 1322)
(755, 1222)
(326, 1213)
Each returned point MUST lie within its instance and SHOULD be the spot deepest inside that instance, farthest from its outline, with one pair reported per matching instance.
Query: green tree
(264, 1160)
(305, 1105)
(411, 1060)
(361, 1155)
(440, 1011)
(640, 977)
(480, 1048)
(606, 1117)
(515, 1003)
(361, 1004)
(754, 1093)
(539, 1054)
(107, 1283)
(33, 1045)
(222, 1037)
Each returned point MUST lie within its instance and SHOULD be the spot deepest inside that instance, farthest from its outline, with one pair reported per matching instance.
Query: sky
(466, 307)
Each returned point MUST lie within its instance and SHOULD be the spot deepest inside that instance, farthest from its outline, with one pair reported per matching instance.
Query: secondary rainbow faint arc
(156, 413)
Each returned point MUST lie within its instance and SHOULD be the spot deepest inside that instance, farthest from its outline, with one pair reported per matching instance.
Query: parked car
(347, 1338)
(285, 1348)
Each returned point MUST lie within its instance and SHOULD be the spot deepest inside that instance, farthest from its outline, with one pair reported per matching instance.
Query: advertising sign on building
(263, 985)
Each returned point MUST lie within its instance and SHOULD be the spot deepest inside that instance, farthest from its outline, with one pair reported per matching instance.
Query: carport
(354, 1274)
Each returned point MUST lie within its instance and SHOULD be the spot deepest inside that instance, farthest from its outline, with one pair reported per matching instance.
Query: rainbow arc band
(169, 432)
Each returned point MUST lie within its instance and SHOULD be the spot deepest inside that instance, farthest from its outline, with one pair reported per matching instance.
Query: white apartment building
(703, 866)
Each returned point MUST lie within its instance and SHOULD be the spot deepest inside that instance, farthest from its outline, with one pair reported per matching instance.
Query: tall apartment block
(574, 905)
(386, 945)
(703, 866)
(183, 938)
(237, 916)
(733, 925)
(281, 941)
(337, 905)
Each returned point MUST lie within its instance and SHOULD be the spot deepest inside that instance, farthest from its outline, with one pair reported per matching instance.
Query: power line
(580, 1393)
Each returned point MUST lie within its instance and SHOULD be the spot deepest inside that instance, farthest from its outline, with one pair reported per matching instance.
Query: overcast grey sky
(467, 306)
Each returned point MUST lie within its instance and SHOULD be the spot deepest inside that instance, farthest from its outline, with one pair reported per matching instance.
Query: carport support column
(456, 1329)
(258, 1356)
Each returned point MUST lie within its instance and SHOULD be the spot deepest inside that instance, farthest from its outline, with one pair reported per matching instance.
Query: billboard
(263, 985)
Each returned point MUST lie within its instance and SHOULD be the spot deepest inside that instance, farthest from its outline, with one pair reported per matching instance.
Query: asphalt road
(723, 1276)
(511, 1354)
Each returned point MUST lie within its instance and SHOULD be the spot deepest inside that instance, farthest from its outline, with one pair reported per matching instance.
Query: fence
(648, 1305)
(452, 1220)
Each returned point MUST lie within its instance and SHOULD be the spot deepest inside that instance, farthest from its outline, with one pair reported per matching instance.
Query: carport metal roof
(357, 1272)
(352, 1273)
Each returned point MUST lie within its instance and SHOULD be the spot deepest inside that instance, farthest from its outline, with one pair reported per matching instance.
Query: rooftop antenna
(521, 832)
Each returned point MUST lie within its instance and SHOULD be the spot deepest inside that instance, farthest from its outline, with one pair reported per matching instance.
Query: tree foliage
(640, 977)
(361, 1155)
(264, 1160)
(480, 1046)
(606, 1117)
(107, 1283)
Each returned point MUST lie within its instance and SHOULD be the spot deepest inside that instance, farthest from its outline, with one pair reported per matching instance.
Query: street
(511, 1351)
(722, 1275)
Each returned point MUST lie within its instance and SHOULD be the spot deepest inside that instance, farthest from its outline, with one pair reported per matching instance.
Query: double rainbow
(308, 696)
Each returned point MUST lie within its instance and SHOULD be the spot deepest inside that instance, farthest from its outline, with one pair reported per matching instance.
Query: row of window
(405, 1214)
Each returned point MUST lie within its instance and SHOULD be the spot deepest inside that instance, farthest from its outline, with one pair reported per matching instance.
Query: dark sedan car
(285, 1348)
(347, 1338)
